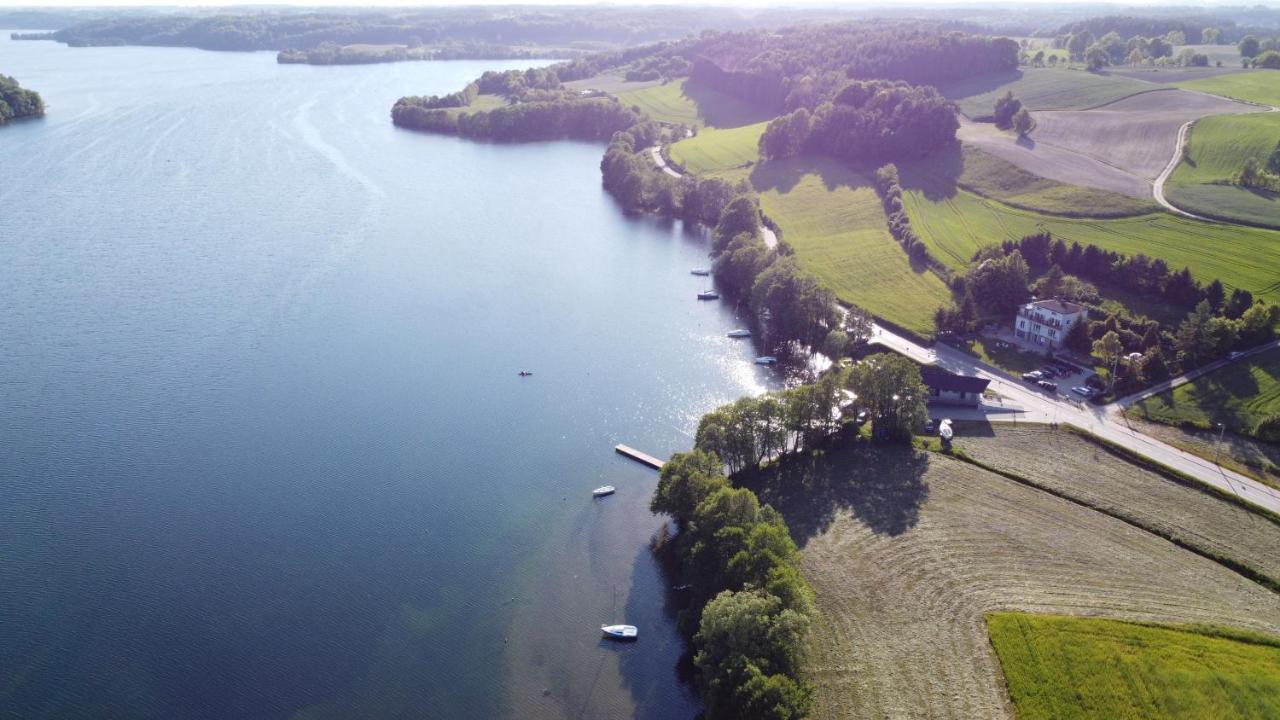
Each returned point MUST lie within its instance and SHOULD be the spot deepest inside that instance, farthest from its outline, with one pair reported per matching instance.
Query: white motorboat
(739, 333)
(708, 295)
(701, 272)
(603, 490)
(766, 360)
(620, 632)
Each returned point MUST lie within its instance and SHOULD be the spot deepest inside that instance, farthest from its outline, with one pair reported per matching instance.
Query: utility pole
(1218, 450)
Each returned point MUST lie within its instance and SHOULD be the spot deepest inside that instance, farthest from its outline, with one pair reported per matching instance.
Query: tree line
(868, 121)
(750, 609)
(780, 70)
(18, 102)
(565, 116)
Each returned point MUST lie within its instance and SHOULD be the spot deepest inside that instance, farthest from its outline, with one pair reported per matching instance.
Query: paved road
(1021, 403)
(656, 153)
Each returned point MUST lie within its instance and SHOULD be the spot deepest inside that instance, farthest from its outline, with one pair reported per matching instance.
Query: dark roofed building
(951, 389)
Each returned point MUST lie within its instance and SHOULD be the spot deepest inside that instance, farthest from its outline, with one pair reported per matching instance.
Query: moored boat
(708, 295)
(766, 360)
(739, 333)
(603, 490)
(620, 632)
(701, 272)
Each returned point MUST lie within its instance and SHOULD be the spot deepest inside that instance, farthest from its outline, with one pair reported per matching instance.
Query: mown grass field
(908, 551)
(1041, 89)
(1257, 86)
(985, 174)
(1074, 668)
(1216, 152)
(720, 151)
(831, 216)
(1238, 395)
(955, 227)
(684, 102)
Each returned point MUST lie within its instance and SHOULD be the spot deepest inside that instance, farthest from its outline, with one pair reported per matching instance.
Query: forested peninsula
(330, 53)
(17, 102)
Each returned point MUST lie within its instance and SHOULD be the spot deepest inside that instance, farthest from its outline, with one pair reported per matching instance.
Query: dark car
(1049, 372)
(1046, 385)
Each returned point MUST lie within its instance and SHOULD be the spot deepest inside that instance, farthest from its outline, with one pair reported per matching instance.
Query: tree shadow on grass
(880, 484)
(937, 176)
(717, 109)
(784, 175)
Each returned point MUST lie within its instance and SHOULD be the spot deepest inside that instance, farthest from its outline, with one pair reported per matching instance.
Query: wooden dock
(642, 458)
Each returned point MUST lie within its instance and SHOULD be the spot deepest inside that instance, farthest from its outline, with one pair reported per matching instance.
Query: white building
(1046, 322)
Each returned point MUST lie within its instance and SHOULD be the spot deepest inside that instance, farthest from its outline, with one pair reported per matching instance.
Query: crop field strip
(1241, 257)
(902, 628)
(1070, 668)
(1255, 86)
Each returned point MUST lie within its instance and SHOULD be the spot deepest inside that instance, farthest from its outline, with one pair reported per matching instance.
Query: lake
(264, 452)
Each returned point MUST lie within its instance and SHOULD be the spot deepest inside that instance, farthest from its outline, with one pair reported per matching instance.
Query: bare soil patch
(1052, 162)
(915, 549)
(1137, 134)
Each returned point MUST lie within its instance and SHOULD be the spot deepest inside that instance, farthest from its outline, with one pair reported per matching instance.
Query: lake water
(263, 448)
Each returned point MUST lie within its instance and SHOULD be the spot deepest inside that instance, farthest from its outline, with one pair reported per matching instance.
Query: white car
(1082, 391)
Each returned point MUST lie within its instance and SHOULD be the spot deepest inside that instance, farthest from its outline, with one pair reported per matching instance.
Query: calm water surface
(263, 449)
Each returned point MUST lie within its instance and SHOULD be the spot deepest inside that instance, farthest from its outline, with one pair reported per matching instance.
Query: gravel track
(901, 631)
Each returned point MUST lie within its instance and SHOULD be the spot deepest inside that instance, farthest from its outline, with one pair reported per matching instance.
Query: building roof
(1062, 307)
(939, 379)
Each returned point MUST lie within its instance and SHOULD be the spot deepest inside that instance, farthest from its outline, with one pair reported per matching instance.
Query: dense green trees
(766, 68)
(1006, 107)
(867, 122)
(16, 102)
(889, 387)
(565, 117)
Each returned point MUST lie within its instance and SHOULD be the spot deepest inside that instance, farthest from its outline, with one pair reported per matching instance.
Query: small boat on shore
(740, 333)
(620, 632)
(766, 360)
(708, 295)
(603, 490)
(700, 272)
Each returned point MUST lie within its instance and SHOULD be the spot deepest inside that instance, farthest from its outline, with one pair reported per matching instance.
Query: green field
(955, 227)
(832, 218)
(1238, 396)
(1070, 668)
(720, 151)
(1217, 150)
(985, 174)
(684, 102)
(1257, 86)
(1042, 89)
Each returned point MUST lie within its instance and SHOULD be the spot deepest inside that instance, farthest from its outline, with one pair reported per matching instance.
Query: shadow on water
(881, 485)
(646, 666)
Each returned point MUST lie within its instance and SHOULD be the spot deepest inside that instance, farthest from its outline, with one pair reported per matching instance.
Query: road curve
(1157, 187)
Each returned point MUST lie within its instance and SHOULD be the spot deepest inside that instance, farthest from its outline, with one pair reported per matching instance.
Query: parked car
(1048, 371)
(1046, 385)
(1033, 376)
(1083, 391)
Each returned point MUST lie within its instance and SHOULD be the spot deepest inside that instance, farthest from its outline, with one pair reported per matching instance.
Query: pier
(642, 458)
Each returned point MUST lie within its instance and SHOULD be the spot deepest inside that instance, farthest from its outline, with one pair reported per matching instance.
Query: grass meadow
(1216, 152)
(831, 216)
(1238, 395)
(1255, 86)
(1075, 668)
(955, 226)
(1042, 89)
(686, 103)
